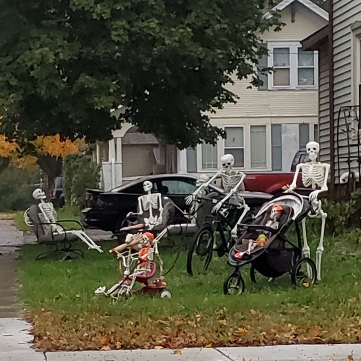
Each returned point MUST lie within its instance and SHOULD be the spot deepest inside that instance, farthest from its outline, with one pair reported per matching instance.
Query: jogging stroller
(263, 244)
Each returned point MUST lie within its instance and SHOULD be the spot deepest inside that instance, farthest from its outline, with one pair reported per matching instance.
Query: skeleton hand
(289, 188)
(217, 207)
(190, 198)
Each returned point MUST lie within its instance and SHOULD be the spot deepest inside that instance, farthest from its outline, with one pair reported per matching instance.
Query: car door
(177, 189)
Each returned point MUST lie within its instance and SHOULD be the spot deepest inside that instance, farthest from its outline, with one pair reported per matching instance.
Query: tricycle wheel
(234, 284)
(165, 294)
(304, 273)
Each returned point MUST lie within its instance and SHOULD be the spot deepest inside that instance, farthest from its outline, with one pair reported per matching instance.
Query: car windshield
(119, 188)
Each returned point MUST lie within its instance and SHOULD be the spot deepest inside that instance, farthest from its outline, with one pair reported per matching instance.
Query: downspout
(331, 100)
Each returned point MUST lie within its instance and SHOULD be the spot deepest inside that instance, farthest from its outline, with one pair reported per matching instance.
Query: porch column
(182, 161)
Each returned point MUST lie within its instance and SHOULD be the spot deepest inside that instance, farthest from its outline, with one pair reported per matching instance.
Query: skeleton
(232, 183)
(150, 202)
(48, 217)
(314, 175)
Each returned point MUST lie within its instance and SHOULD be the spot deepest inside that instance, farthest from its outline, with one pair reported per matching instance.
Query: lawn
(66, 315)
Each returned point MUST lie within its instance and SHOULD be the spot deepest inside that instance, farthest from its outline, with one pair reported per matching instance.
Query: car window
(177, 186)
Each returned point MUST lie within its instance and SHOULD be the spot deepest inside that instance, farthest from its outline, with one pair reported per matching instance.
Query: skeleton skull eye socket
(228, 163)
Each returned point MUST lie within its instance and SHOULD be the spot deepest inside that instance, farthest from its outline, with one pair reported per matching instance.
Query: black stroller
(263, 244)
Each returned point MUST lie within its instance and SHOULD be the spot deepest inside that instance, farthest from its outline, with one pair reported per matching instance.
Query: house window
(306, 67)
(281, 66)
(292, 67)
(234, 144)
(258, 146)
(209, 156)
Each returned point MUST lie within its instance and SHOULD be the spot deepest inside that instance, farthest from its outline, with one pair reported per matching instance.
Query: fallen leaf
(350, 358)
(158, 347)
(177, 352)
(106, 348)
(208, 346)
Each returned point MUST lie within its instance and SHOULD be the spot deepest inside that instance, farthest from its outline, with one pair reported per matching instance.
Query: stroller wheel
(234, 284)
(304, 273)
(200, 253)
(165, 294)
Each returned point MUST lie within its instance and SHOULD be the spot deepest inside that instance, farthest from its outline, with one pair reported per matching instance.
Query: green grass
(66, 314)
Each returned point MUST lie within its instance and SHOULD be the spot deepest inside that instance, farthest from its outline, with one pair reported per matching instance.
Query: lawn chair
(42, 218)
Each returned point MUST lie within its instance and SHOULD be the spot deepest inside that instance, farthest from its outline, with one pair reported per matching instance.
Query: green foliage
(16, 188)
(65, 64)
(79, 174)
(343, 215)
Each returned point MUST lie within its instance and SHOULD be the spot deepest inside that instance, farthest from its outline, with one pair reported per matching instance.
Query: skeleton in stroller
(264, 245)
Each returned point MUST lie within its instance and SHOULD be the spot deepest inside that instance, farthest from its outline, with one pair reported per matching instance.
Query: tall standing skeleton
(314, 175)
(232, 183)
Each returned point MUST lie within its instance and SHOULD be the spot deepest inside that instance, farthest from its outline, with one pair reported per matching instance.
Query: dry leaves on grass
(54, 331)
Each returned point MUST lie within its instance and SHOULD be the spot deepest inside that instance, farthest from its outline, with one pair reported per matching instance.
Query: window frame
(200, 158)
(244, 143)
(293, 50)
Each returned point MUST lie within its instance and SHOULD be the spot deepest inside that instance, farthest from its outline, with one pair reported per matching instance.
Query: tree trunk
(52, 167)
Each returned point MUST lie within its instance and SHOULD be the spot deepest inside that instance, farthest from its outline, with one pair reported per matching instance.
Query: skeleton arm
(190, 198)
(313, 195)
(295, 177)
(140, 205)
(231, 192)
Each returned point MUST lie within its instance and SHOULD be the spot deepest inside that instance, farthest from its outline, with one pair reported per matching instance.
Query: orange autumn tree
(46, 152)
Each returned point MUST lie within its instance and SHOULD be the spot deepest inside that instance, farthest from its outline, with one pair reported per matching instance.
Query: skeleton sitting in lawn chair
(42, 218)
(136, 254)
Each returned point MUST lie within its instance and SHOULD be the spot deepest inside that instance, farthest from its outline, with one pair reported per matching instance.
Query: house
(268, 125)
(264, 129)
(339, 47)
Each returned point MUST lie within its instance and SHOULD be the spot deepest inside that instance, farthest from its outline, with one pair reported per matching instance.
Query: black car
(107, 210)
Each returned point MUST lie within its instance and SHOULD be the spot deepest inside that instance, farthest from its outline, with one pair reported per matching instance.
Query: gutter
(331, 100)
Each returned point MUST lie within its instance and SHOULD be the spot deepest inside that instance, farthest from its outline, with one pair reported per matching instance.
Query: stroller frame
(279, 255)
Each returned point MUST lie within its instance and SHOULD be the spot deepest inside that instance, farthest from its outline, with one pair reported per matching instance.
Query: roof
(307, 3)
(315, 40)
(139, 138)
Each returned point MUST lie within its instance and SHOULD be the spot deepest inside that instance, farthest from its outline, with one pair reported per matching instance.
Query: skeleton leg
(86, 239)
(320, 248)
(306, 248)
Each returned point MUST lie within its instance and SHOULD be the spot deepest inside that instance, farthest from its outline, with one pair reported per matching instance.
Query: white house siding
(290, 108)
(345, 13)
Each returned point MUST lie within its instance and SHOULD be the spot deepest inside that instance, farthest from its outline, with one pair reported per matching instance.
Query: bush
(343, 215)
(16, 188)
(79, 173)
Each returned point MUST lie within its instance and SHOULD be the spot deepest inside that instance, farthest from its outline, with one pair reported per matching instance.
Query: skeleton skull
(313, 149)
(147, 186)
(203, 178)
(276, 212)
(227, 162)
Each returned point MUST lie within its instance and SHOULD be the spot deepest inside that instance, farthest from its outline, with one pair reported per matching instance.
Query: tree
(47, 152)
(65, 64)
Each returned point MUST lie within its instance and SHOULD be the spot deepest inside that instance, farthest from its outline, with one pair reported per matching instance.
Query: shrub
(79, 173)
(16, 188)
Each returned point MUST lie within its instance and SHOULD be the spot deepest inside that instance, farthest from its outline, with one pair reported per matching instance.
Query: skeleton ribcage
(149, 201)
(313, 175)
(231, 180)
